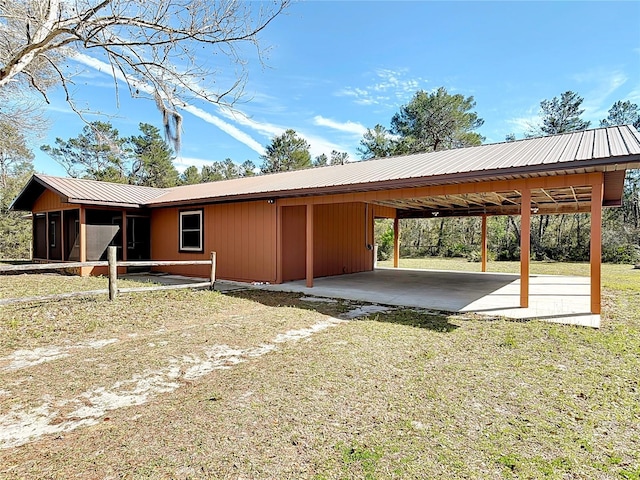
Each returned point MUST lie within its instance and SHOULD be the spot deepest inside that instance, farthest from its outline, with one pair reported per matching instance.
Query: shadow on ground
(436, 321)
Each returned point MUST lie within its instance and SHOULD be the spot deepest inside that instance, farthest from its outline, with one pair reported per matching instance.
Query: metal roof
(603, 149)
(90, 192)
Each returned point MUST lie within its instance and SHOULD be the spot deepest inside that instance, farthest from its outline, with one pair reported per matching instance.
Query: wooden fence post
(112, 258)
(213, 271)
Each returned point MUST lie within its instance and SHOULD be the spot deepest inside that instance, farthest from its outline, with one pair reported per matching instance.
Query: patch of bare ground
(263, 385)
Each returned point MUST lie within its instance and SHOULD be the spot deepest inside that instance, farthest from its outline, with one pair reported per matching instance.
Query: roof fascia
(79, 201)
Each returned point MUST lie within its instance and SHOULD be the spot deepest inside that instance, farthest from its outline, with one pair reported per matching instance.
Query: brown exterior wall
(383, 212)
(242, 234)
(341, 234)
(50, 201)
(294, 243)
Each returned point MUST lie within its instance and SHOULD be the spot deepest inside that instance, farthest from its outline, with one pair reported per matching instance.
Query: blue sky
(336, 68)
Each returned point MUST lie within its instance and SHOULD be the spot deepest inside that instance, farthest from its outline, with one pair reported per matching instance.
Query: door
(294, 237)
(138, 238)
(72, 235)
(55, 236)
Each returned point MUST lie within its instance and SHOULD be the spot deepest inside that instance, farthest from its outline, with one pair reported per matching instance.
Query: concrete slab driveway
(553, 298)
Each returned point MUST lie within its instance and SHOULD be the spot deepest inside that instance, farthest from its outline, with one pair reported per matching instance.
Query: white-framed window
(191, 231)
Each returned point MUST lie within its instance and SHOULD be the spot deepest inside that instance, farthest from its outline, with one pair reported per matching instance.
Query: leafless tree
(171, 51)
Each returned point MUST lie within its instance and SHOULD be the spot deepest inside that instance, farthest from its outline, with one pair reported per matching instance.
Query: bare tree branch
(162, 49)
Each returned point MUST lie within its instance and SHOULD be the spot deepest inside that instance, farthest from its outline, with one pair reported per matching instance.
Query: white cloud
(524, 124)
(182, 163)
(229, 129)
(347, 127)
(266, 129)
(388, 86)
(634, 95)
(233, 117)
(597, 86)
(603, 83)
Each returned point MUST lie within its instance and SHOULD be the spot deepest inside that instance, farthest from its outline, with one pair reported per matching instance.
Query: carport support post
(309, 249)
(595, 252)
(484, 243)
(396, 242)
(525, 246)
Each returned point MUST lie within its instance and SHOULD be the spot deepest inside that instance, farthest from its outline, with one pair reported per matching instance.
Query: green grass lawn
(613, 275)
(393, 395)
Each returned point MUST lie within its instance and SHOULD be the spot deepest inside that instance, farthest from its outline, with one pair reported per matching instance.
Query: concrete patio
(552, 298)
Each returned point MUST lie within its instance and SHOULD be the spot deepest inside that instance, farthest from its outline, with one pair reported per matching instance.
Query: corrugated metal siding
(340, 241)
(242, 234)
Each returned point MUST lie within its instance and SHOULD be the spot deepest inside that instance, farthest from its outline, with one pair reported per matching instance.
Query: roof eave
(80, 201)
(16, 204)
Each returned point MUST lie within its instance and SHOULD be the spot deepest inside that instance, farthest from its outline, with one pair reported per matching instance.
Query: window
(52, 234)
(191, 231)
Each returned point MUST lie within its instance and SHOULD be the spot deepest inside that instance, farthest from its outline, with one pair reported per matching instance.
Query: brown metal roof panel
(521, 154)
(571, 149)
(585, 151)
(617, 146)
(547, 151)
(601, 147)
(557, 150)
(91, 190)
(631, 139)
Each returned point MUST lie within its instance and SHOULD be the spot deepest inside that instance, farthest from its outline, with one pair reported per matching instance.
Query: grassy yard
(260, 385)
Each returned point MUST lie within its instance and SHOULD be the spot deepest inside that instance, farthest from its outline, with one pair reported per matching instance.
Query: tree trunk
(440, 236)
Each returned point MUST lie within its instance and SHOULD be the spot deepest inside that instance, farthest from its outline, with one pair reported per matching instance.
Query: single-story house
(319, 222)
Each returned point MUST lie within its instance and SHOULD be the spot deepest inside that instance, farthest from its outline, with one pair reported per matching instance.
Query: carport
(579, 172)
(553, 298)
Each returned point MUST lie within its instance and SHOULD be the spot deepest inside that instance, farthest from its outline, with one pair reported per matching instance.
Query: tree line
(155, 58)
(553, 237)
(430, 121)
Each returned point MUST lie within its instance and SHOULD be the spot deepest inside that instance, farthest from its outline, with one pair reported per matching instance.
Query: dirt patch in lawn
(266, 385)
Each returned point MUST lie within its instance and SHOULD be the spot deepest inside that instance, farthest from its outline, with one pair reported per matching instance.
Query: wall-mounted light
(435, 214)
(271, 201)
(534, 210)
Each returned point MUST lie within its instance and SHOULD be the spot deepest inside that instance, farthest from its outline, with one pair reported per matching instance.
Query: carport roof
(612, 149)
(604, 149)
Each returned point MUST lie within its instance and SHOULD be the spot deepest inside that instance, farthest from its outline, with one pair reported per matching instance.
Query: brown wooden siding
(242, 234)
(381, 211)
(341, 235)
(50, 201)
